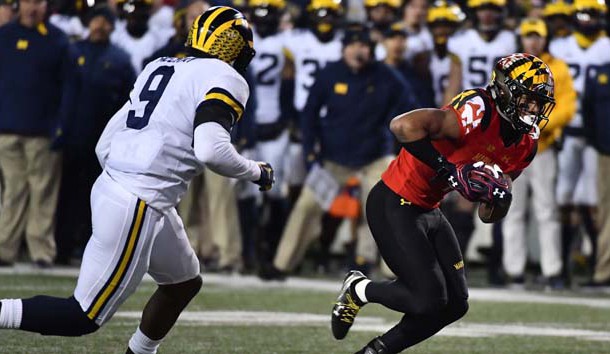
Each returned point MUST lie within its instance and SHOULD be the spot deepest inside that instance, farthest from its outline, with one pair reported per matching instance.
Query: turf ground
(243, 315)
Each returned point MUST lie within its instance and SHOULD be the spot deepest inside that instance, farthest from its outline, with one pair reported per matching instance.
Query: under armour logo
(453, 182)
(403, 201)
(500, 193)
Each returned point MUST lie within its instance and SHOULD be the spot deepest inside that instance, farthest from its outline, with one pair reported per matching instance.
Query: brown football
(491, 213)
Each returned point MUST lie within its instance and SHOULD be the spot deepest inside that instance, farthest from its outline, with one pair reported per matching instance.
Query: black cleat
(347, 306)
(376, 346)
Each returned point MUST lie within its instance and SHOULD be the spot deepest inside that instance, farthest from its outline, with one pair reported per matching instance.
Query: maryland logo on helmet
(520, 78)
(445, 12)
(223, 32)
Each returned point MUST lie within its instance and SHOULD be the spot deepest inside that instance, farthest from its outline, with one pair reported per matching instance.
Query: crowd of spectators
(328, 77)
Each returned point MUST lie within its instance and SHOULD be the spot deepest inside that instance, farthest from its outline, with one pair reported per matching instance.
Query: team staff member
(8, 10)
(441, 151)
(542, 175)
(38, 76)
(106, 79)
(347, 112)
(595, 111)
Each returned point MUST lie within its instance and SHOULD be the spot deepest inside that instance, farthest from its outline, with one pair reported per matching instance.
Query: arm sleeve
(102, 149)
(213, 148)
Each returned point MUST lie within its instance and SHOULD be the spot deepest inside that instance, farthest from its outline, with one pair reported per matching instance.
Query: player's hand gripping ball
(498, 197)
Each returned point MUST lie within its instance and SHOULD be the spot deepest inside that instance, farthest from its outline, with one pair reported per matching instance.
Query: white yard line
(370, 324)
(252, 282)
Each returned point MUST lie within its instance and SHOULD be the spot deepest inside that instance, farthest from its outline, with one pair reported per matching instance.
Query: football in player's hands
(496, 209)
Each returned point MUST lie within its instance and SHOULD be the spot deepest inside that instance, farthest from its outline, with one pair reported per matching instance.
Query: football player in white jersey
(272, 136)
(479, 48)
(576, 181)
(177, 121)
(133, 35)
(381, 14)
(444, 18)
(308, 50)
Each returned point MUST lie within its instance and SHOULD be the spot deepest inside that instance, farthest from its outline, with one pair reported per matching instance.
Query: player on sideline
(441, 150)
(177, 121)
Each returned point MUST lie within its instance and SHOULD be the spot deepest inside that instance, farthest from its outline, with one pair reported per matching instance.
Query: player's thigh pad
(116, 256)
(172, 259)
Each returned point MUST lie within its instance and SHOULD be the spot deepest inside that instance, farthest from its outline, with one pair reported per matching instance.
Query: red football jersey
(480, 140)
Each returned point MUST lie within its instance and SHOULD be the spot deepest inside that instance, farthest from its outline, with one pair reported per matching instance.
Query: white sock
(141, 344)
(10, 313)
(360, 290)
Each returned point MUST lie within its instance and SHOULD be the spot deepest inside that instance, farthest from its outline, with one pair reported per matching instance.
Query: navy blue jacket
(107, 76)
(38, 79)
(348, 113)
(596, 108)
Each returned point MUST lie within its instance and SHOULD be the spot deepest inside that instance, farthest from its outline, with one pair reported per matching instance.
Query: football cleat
(347, 306)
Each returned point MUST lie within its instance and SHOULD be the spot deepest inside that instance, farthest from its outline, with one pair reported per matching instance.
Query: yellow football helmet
(445, 11)
(590, 5)
(279, 4)
(334, 5)
(395, 4)
(473, 4)
(223, 33)
(523, 90)
(533, 25)
(558, 8)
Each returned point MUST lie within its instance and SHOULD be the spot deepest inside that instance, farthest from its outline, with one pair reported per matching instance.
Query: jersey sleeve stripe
(225, 97)
(118, 274)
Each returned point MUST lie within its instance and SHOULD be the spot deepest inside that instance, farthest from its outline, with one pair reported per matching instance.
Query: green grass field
(225, 318)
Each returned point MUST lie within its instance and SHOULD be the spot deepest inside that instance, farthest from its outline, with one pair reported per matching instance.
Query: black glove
(266, 181)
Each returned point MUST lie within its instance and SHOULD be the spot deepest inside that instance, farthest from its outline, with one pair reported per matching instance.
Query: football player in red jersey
(442, 150)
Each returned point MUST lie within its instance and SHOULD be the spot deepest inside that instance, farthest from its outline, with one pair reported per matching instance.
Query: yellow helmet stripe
(194, 30)
(207, 23)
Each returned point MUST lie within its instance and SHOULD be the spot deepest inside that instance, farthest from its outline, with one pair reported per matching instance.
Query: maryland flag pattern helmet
(223, 32)
(445, 12)
(522, 87)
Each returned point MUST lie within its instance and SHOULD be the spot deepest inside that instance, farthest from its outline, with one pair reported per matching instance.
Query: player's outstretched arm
(213, 147)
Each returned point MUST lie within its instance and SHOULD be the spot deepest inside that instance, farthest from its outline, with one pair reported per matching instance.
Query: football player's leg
(115, 260)
(513, 228)
(569, 162)
(413, 329)
(302, 227)
(543, 171)
(400, 231)
(175, 268)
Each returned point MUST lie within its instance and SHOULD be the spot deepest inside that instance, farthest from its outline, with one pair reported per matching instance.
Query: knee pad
(187, 289)
(56, 317)
(459, 309)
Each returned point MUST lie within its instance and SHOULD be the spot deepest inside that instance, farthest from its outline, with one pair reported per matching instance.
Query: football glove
(478, 182)
(266, 180)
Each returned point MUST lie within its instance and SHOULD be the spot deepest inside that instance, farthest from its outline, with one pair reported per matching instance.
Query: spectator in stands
(540, 177)
(38, 78)
(346, 115)
(596, 106)
(106, 79)
(135, 37)
(8, 11)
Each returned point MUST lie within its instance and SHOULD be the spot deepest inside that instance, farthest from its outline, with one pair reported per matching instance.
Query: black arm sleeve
(425, 152)
(211, 111)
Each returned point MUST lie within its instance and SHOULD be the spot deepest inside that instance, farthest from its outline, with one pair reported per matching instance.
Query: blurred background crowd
(328, 77)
